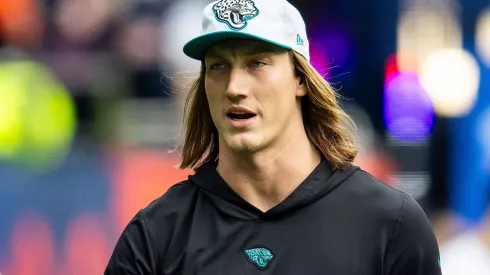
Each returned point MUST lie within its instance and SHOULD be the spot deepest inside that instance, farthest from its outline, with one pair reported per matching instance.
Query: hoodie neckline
(317, 184)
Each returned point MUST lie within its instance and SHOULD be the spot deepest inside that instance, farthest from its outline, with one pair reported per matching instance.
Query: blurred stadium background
(91, 95)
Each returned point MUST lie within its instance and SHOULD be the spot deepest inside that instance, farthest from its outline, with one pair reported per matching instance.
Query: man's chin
(242, 142)
(244, 146)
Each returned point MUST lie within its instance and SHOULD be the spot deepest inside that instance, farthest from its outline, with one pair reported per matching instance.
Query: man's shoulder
(384, 210)
(368, 186)
(377, 198)
(175, 200)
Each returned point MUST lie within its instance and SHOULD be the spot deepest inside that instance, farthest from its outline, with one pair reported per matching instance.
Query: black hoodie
(341, 222)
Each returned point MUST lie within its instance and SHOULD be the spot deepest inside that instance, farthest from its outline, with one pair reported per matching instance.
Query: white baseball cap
(274, 21)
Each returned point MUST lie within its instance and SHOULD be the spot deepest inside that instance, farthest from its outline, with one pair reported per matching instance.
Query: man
(274, 190)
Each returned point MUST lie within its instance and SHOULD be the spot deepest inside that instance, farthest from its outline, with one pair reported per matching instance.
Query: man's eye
(217, 66)
(256, 64)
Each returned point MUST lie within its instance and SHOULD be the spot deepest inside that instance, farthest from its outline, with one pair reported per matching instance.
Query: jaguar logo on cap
(235, 13)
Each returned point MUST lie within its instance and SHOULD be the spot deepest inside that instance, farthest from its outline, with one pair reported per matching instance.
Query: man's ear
(300, 83)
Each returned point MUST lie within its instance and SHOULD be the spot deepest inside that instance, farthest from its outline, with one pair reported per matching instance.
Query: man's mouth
(240, 116)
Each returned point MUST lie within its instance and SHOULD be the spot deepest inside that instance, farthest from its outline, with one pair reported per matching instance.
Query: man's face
(253, 94)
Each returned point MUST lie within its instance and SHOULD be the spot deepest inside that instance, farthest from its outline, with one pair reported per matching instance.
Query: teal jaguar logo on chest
(259, 256)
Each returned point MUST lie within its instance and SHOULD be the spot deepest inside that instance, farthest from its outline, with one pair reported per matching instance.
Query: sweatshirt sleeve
(132, 254)
(413, 248)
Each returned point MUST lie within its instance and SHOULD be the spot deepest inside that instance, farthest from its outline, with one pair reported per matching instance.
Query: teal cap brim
(197, 47)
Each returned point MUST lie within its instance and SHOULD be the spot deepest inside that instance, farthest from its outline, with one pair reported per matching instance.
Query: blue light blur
(408, 111)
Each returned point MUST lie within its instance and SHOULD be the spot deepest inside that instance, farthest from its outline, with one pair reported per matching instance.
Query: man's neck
(266, 178)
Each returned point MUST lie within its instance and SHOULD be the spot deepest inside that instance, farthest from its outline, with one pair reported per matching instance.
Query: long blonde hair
(327, 126)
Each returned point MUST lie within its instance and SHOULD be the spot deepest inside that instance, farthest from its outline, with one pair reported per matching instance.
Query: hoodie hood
(319, 183)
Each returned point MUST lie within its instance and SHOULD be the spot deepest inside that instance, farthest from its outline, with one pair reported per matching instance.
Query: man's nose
(238, 86)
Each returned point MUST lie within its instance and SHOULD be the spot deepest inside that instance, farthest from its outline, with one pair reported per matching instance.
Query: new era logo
(299, 40)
